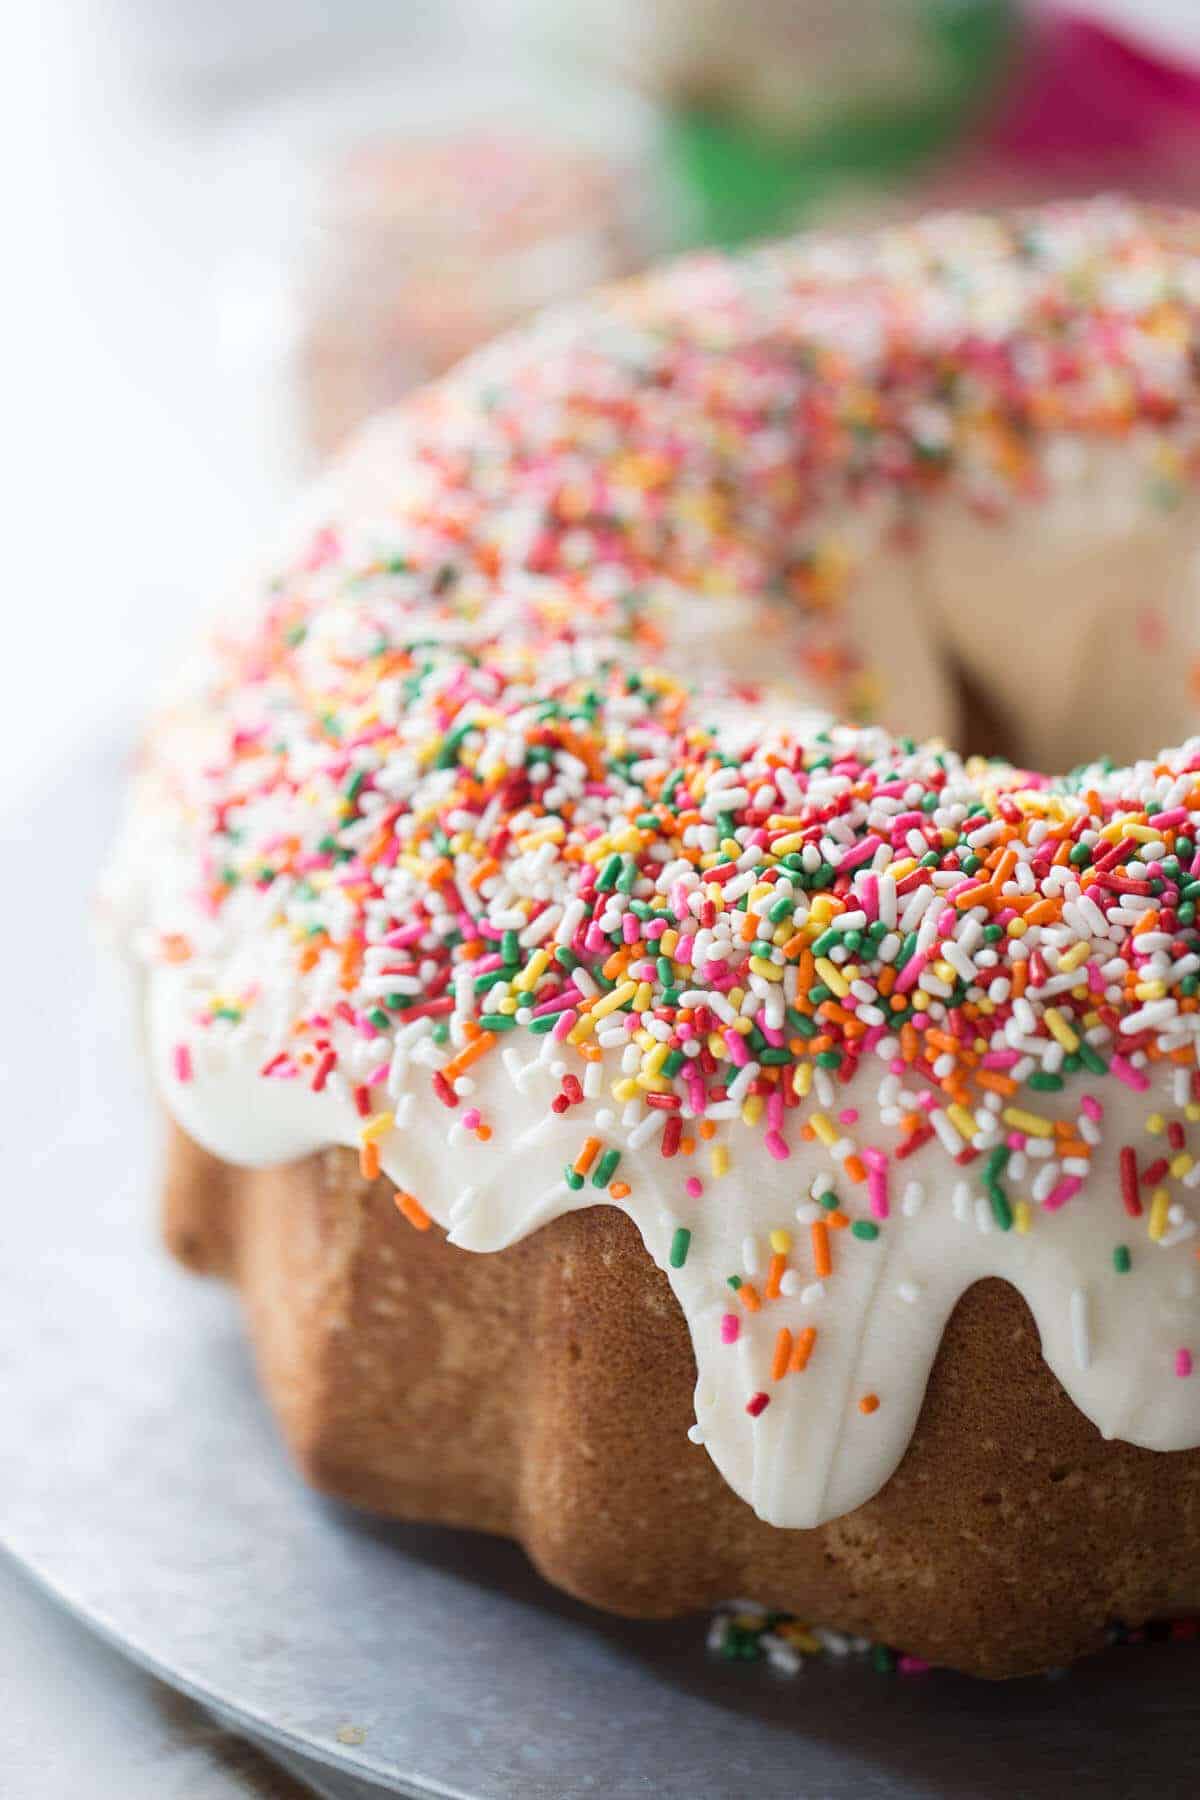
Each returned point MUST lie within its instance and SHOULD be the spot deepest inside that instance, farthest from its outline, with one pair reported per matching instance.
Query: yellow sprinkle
(531, 973)
(1182, 1165)
(1017, 928)
(668, 943)
(653, 1061)
(609, 1003)
(1155, 1124)
(961, 1120)
(1160, 1202)
(772, 972)
(944, 972)
(643, 997)
(1191, 1111)
(780, 1241)
(1028, 1122)
(653, 1084)
(1060, 1029)
(752, 1109)
(823, 1126)
(898, 870)
(377, 1126)
(1070, 960)
(832, 976)
(1150, 990)
(785, 845)
(625, 1090)
(802, 1080)
(718, 1046)
(1022, 1216)
(720, 1160)
(824, 907)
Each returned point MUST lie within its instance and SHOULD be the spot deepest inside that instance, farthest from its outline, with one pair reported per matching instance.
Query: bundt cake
(534, 869)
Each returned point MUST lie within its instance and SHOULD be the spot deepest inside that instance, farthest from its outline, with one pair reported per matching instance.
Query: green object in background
(746, 179)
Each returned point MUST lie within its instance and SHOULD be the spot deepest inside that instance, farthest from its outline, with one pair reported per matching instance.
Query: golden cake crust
(544, 1392)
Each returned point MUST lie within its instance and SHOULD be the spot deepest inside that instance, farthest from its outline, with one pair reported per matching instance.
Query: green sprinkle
(865, 1229)
(510, 949)
(572, 1177)
(606, 881)
(603, 1173)
(828, 1200)
(1001, 1210)
(497, 1021)
(1122, 1261)
(680, 1243)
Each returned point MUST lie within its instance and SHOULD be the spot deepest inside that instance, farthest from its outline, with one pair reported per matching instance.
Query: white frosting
(812, 1455)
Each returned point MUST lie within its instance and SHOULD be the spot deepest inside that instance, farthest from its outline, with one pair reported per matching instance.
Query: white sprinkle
(1080, 1334)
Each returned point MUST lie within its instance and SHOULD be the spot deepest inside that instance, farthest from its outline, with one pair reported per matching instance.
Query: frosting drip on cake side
(812, 1454)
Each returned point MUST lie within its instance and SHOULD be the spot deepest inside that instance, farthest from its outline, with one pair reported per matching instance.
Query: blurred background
(233, 228)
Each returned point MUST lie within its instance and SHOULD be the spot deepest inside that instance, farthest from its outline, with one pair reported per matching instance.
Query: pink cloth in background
(1087, 108)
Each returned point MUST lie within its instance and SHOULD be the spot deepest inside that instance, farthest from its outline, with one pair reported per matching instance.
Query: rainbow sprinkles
(535, 889)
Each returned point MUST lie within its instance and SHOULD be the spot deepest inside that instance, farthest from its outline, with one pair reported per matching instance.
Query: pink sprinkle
(1065, 1190)
(472, 1117)
(861, 853)
(776, 1146)
(1124, 1071)
(404, 937)
(631, 929)
(1183, 1362)
(1176, 816)
(868, 893)
(1016, 1141)
(182, 1061)
(848, 1115)
(1092, 1107)
(693, 1187)
(565, 1022)
(736, 1045)
(731, 1326)
(912, 971)
(913, 1665)
(877, 1192)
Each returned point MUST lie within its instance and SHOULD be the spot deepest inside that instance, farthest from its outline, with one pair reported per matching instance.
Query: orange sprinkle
(587, 1156)
(869, 1403)
(782, 1356)
(803, 1349)
(620, 1190)
(412, 1210)
(819, 1234)
(836, 1220)
(775, 1270)
(749, 1297)
(999, 1084)
(368, 1161)
(469, 1054)
(855, 1168)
